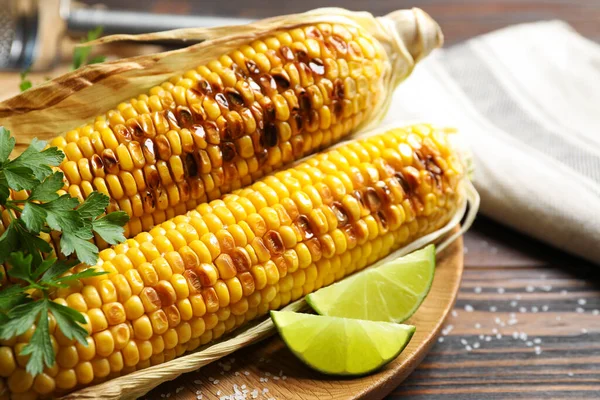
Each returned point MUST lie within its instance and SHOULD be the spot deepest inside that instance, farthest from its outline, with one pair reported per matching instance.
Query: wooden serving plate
(269, 364)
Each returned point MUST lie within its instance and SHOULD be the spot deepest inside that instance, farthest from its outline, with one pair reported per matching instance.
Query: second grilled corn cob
(193, 278)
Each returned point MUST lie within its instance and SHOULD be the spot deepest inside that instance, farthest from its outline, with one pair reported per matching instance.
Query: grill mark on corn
(241, 116)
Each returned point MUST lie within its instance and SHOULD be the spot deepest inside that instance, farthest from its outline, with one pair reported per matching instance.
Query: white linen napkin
(527, 98)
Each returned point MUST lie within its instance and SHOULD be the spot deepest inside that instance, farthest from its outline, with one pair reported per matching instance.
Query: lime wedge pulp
(341, 346)
(390, 292)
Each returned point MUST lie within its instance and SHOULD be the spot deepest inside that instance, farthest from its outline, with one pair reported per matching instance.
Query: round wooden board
(269, 364)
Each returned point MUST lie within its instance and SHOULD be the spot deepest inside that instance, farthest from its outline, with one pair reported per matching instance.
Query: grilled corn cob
(197, 276)
(223, 125)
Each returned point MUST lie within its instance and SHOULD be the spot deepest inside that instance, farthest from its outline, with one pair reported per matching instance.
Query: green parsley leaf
(45, 266)
(110, 227)
(39, 347)
(11, 297)
(39, 160)
(20, 319)
(86, 273)
(94, 205)
(8, 241)
(34, 217)
(67, 320)
(72, 243)
(7, 144)
(21, 266)
(25, 83)
(62, 215)
(46, 191)
(20, 178)
(56, 269)
(81, 53)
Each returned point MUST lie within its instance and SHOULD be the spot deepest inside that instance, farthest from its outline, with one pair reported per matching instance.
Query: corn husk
(139, 383)
(66, 102)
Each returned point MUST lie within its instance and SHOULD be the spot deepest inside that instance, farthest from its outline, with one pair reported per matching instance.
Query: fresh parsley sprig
(36, 272)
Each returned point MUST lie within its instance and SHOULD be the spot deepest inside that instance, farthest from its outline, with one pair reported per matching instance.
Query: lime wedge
(390, 292)
(341, 346)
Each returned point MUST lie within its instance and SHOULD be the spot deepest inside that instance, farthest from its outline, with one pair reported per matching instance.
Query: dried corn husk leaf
(138, 383)
(73, 99)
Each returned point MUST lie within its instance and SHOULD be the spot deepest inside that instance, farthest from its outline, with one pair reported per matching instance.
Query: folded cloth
(527, 98)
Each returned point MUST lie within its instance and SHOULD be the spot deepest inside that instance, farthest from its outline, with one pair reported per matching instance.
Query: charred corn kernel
(356, 208)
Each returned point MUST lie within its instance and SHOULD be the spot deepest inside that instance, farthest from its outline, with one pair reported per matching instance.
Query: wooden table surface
(527, 323)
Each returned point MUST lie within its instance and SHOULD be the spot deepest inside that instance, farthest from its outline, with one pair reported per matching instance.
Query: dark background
(459, 19)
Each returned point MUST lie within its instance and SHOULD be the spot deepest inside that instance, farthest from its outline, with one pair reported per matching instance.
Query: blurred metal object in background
(31, 31)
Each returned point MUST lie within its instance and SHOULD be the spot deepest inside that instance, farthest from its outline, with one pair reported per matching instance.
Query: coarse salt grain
(498, 336)
(538, 350)
(468, 348)
(514, 303)
(469, 308)
(501, 290)
(529, 289)
(534, 309)
(493, 309)
(582, 302)
(580, 310)
(570, 374)
(441, 340)
(476, 345)
(477, 325)
(537, 340)
(545, 307)
(477, 289)
(464, 341)
(583, 330)
(454, 313)
(522, 310)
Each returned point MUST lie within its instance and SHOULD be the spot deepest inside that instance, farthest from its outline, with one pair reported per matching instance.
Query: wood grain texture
(265, 364)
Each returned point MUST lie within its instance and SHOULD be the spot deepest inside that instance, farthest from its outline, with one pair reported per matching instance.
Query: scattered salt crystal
(584, 331)
(236, 373)
(514, 303)
(488, 338)
(534, 309)
(276, 378)
(522, 310)
(199, 397)
(596, 312)
(494, 330)
(529, 289)
(254, 393)
(198, 382)
(529, 343)
(545, 307)
(523, 336)
(497, 320)
(493, 309)
(537, 340)
(243, 387)
(197, 391)
(570, 374)
(477, 289)
(468, 348)
(582, 302)
(210, 379)
(498, 336)
(476, 345)
(515, 335)
(538, 350)
(579, 310)
(477, 326)
(501, 290)
(481, 337)
(464, 342)
(454, 313)
(246, 373)
(216, 382)
(265, 390)
(547, 288)
(218, 393)
(441, 340)
(469, 308)
(179, 389)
